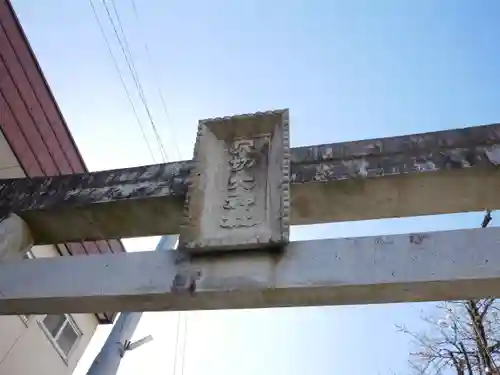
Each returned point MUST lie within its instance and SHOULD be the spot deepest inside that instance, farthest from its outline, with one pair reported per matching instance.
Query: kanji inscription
(238, 196)
(239, 206)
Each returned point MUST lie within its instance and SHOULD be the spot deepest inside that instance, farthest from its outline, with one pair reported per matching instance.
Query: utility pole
(107, 362)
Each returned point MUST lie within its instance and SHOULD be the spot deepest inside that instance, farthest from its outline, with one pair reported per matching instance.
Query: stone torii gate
(232, 206)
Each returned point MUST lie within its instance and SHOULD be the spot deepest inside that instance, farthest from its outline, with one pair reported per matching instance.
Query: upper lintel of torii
(246, 179)
(241, 192)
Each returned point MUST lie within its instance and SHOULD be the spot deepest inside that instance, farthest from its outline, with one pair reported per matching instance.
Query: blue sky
(346, 69)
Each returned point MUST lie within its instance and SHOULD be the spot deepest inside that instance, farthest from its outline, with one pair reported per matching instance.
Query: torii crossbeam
(233, 204)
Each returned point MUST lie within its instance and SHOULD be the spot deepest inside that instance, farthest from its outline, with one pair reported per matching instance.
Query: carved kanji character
(242, 179)
(233, 221)
(241, 152)
(238, 201)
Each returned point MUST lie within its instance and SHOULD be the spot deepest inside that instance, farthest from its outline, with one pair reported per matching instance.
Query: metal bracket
(129, 345)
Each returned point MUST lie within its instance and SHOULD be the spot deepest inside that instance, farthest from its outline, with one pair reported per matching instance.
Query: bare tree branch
(462, 337)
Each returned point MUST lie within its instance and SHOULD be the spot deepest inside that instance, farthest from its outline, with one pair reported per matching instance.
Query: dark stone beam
(440, 172)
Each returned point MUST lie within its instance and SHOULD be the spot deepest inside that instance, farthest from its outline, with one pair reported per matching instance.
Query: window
(62, 332)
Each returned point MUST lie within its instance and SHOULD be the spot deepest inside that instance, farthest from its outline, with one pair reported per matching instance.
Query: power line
(115, 64)
(125, 48)
(135, 77)
(178, 335)
(155, 73)
(133, 71)
(174, 368)
(184, 343)
(167, 115)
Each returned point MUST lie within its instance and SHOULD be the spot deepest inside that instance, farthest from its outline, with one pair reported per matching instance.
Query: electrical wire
(182, 356)
(135, 77)
(157, 79)
(154, 70)
(184, 343)
(125, 41)
(125, 48)
(12, 346)
(117, 68)
(174, 368)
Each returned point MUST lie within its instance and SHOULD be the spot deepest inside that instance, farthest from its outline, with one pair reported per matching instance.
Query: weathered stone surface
(99, 205)
(15, 238)
(441, 172)
(238, 195)
(435, 266)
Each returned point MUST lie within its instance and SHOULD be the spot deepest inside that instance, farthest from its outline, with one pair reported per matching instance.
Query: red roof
(31, 120)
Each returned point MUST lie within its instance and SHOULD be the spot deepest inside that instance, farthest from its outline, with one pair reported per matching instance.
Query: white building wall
(9, 166)
(25, 348)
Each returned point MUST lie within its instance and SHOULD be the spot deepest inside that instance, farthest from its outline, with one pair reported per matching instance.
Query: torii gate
(233, 205)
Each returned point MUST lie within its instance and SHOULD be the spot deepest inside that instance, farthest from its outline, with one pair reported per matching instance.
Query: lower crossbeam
(447, 265)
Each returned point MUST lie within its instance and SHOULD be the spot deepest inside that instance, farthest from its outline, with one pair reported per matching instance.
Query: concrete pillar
(15, 238)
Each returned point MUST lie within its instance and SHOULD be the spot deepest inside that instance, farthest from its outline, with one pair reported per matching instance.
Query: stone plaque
(239, 191)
